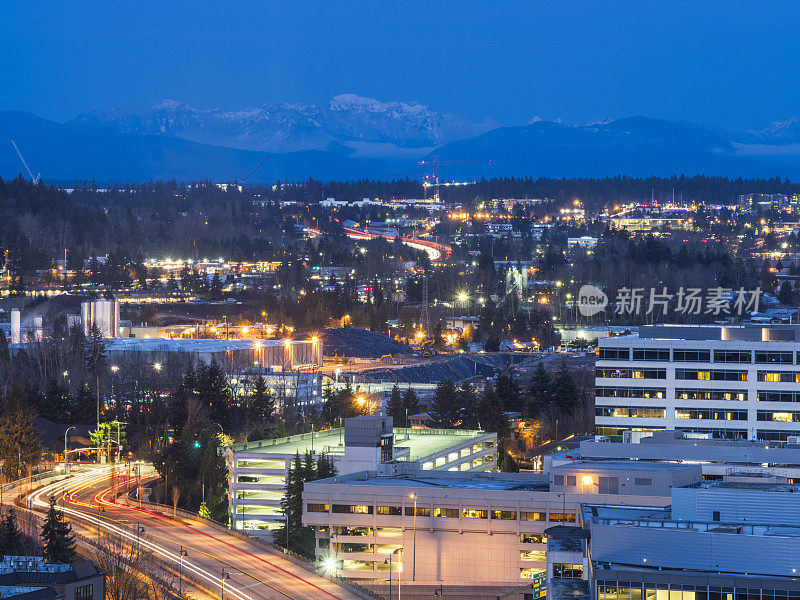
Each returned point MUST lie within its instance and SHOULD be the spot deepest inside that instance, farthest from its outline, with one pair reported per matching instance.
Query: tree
(11, 539)
(468, 400)
(411, 403)
(563, 389)
(57, 536)
(491, 413)
(394, 407)
(262, 404)
(539, 392)
(94, 351)
(508, 389)
(445, 410)
(20, 446)
(787, 295)
(212, 388)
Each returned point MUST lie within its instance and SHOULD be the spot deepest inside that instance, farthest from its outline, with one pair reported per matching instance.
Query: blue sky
(731, 64)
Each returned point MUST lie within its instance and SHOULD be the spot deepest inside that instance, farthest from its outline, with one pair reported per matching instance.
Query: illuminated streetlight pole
(66, 464)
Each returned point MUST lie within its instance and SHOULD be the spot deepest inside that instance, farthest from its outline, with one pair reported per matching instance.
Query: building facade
(731, 382)
(257, 470)
(483, 529)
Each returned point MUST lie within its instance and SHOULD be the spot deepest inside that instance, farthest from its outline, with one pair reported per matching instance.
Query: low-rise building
(31, 578)
(257, 470)
(482, 529)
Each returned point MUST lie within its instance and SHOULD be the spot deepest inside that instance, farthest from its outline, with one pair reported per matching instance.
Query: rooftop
(620, 465)
(190, 345)
(420, 442)
(507, 482)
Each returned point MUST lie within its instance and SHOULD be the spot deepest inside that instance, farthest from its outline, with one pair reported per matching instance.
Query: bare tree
(123, 564)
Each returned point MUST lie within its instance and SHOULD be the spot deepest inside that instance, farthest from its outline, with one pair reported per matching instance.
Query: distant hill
(110, 147)
(634, 146)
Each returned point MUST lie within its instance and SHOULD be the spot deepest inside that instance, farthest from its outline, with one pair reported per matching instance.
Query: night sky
(731, 64)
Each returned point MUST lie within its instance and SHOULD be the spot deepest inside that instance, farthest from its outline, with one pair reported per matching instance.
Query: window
(361, 531)
(643, 481)
(773, 435)
(707, 394)
(613, 373)
(629, 392)
(353, 509)
(651, 355)
(714, 375)
(701, 356)
(531, 516)
(778, 396)
(422, 511)
(504, 515)
(473, 513)
(447, 513)
(572, 480)
(779, 376)
(774, 358)
(84, 592)
(567, 571)
(614, 354)
(781, 417)
(531, 538)
(717, 414)
(528, 573)
(533, 555)
(715, 515)
(389, 510)
(563, 517)
(323, 508)
(733, 356)
(608, 485)
(558, 480)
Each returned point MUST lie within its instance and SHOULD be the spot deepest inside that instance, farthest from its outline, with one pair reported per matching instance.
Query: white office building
(732, 382)
(477, 535)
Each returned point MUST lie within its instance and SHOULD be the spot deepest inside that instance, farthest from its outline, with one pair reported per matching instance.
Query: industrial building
(731, 381)
(485, 531)
(257, 470)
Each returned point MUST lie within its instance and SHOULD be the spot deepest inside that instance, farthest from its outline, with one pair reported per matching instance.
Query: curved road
(255, 574)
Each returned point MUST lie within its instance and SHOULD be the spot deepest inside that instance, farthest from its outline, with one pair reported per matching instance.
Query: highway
(255, 574)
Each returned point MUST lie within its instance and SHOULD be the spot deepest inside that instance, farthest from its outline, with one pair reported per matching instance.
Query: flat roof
(508, 482)
(191, 345)
(420, 442)
(621, 465)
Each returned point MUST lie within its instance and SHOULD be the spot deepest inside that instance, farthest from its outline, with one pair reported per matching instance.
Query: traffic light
(197, 443)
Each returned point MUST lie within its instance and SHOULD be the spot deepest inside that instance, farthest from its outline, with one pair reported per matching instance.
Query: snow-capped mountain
(347, 120)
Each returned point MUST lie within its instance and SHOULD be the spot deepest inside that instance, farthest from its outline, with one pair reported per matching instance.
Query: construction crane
(241, 180)
(36, 179)
(436, 162)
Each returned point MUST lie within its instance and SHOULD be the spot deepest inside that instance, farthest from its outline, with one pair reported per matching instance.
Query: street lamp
(224, 577)
(66, 464)
(180, 571)
(389, 562)
(157, 366)
(414, 548)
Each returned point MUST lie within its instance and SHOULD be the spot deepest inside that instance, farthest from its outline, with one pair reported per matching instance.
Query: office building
(482, 531)
(724, 540)
(731, 382)
(257, 470)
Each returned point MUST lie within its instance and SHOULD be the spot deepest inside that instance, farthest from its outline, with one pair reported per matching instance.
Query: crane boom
(436, 162)
(36, 179)
(256, 168)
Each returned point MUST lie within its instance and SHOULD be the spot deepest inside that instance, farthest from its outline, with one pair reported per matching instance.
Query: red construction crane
(436, 162)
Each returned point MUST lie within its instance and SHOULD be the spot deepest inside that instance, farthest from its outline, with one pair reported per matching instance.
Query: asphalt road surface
(254, 574)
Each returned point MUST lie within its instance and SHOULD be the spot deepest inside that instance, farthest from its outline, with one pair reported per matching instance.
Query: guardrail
(297, 559)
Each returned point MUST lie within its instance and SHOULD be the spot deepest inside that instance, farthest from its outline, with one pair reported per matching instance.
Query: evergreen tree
(411, 403)
(445, 410)
(508, 389)
(539, 392)
(786, 295)
(212, 388)
(262, 404)
(12, 542)
(325, 467)
(563, 389)
(94, 351)
(20, 446)
(57, 536)
(468, 400)
(5, 355)
(394, 407)
(491, 413)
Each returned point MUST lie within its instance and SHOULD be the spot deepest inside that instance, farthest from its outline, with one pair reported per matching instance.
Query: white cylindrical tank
(16, 323)
(86, 316)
